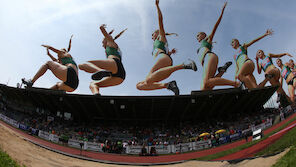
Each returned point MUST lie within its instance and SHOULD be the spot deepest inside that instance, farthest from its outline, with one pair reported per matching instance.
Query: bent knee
(93, 85)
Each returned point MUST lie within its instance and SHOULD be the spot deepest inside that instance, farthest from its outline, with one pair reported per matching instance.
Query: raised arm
(268, 32)
(52, 48)
(160, 22)
(104, 32)
(118, 35)
(69, 47)
(52, 58)
(279, 55)
(211, 36)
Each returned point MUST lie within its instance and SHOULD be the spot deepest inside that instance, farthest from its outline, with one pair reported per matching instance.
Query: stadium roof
(200, 105)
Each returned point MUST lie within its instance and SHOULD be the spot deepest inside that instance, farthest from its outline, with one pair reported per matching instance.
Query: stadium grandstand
(135, 124)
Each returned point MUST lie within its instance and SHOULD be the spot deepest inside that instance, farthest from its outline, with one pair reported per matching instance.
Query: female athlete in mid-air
(163, 68)
(64, 68)
(209, 60)
(265, 63)
(289, 77)
(245, 66)
(111, 69)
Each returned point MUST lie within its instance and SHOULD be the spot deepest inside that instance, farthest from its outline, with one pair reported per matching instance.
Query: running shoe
(173, 87)
(101, 74)
(225, 67)
(190, 65)
(28, 83)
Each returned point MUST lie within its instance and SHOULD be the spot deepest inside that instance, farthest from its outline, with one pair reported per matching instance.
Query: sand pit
(31, 155)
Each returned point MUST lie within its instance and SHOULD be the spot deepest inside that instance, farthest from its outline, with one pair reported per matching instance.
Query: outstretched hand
(46, 46)
(103, 25)
(269, 32)
(225, 3)
(174, 51)
(71, 36)
(156, 2)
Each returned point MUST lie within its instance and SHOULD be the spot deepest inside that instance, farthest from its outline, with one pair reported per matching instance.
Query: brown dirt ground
(26, 153)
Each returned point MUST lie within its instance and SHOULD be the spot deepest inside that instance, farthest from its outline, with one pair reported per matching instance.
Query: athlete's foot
(173, 87)
(101, 74)
(269, 76)
(190, 65)
(28, 83)
(225, 67)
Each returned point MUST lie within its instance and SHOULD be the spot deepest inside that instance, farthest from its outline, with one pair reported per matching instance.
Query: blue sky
(25, 25)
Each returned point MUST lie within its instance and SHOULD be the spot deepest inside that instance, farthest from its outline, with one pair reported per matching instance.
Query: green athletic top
(163, 46)
(205, 47)
(240, 56)
(113, 51)
(68, 60)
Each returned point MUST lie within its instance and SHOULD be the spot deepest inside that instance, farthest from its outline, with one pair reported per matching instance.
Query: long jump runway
(158, 160)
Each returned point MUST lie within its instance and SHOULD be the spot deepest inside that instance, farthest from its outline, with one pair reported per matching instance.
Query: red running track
(114, 158)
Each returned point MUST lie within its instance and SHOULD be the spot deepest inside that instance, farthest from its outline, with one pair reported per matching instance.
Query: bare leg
(62, 86)
(59, 70)
(98, 65)
(263, 83)
(55, 87)
(162, 62)
(209, 81)
(161, 70)
(89, 67)
(252, 78)
(109, 81)
(291, 90)
(108, 64)
(152, 86)
(219, 75)
(162, 73)
(247, 69)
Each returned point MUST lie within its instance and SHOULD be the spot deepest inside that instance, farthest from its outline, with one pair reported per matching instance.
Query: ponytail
(118, 35)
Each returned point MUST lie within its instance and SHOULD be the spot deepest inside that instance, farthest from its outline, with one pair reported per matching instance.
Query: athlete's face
(291, 62)
(279, 62)
(260, 54)
(200, 36)
(235, 43)
(154, 35)
(64, 50)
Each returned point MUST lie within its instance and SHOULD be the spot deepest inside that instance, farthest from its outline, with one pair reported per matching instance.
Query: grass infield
(6, 161)
(244, 146)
